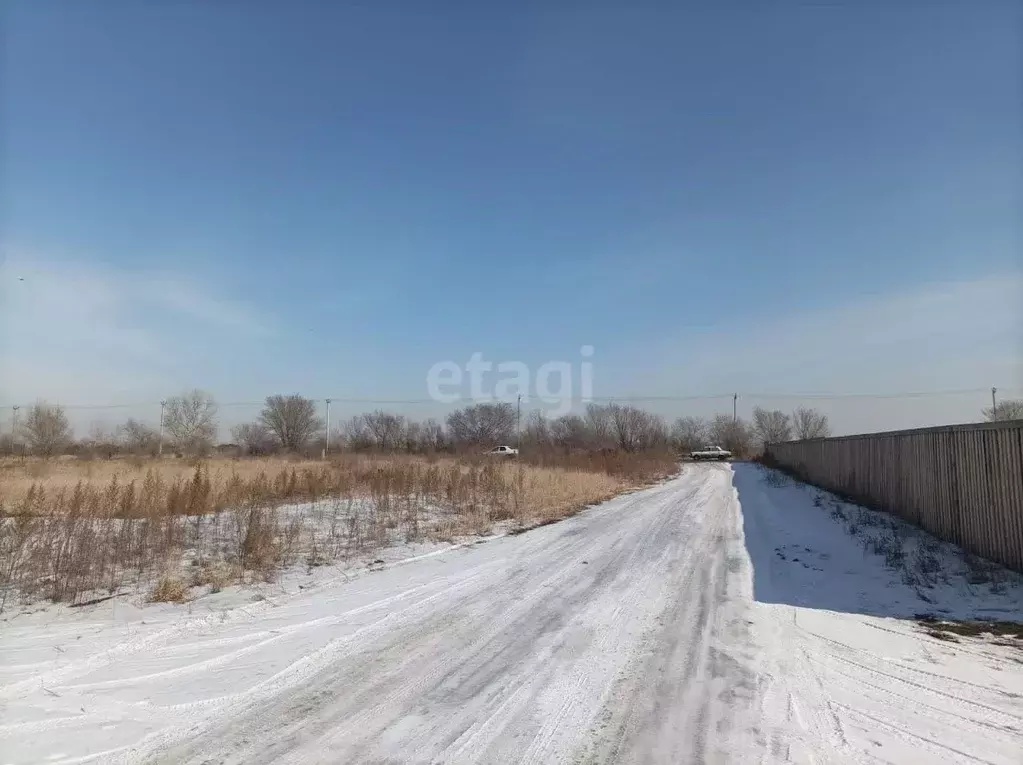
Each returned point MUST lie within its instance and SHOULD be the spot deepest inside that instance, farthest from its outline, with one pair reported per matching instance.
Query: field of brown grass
(18, 475)
(70, 527)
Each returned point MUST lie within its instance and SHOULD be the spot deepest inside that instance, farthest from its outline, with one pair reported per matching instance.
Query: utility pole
(518, 423)
(326, 432)
(994, 404)
(14, 430)
(159, 448)
(735, 406)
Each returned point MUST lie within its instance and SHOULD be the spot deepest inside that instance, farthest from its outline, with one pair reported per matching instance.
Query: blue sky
(330, 198)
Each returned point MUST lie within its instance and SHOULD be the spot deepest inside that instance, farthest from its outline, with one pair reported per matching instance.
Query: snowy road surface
(635, 632)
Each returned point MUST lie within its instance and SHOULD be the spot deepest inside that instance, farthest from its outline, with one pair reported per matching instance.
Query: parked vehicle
(711, 453)
(504, 451)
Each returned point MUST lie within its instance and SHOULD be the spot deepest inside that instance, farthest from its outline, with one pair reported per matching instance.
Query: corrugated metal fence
(963, 483)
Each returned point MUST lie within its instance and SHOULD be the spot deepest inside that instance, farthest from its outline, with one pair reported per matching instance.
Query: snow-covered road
(635, 632)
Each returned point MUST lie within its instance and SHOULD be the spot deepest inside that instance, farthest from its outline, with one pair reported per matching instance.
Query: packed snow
(726, 615)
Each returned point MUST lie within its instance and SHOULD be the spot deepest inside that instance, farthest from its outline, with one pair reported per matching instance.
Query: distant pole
(518, 423)
(159, 448)
(994, 404)
(14, 430)
(735, 406)
(326, 432)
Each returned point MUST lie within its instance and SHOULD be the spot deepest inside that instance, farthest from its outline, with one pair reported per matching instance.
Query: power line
(580, 399)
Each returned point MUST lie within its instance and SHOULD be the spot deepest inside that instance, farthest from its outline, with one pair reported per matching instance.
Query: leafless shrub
(16, 534)
(191, 422)
(571, 432)
(260, 549)
(598, 427)
(810, 423)
(926, 558)
(139, 438)
(355, 434)
(1009, 409)
(537, 431)
(254, 438)
(432, 436)
(776, 479)
(733, 434)
(101, 443)
(46, 430)
(386, 431)
(634, 429)
(872, 519)
(411, 438)
(635, 467)
(983, 571)
(8, 443)
(689, 433)
(592, 430)
(889, 545)
(217, 575)
(169, 589)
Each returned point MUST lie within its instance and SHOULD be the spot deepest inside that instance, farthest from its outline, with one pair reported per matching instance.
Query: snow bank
(810, 549)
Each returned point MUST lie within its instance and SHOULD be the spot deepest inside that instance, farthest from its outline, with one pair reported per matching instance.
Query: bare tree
(191, 421)
(354, 434)
(537, 430)
(419, 437)
(570, 431)
(634, 429)
(412, 438)
(809, 423)
(598, 424)
(734, 435)
(254, 438)
(689, 433)
(139, 438)
(292, 420)
(100, 442)
(46, 429)
(98, 432)
(1009, 409)
(625, 424)
(771, 426)
(482, 424)
(387, 431)
(655, 434)
(433, 438)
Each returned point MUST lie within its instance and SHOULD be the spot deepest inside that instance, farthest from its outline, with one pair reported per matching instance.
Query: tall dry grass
(70, 529)
(18, 475)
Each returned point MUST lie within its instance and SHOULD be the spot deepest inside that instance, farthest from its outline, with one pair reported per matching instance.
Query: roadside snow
(849, 662)
(811, 549)
(713, 618)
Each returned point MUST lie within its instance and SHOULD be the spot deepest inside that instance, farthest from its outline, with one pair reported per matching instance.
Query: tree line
(291, 424)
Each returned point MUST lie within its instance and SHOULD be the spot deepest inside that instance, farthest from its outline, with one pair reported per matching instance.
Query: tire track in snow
(954, 718)
(919, 687)
(659, 709)
(565, 591)
(916, 738)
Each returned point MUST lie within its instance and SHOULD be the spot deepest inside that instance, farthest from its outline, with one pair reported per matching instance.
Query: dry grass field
(19, 475)
(70, 527)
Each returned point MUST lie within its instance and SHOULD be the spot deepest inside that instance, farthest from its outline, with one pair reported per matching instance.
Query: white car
(711, 453)
(504, 451)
